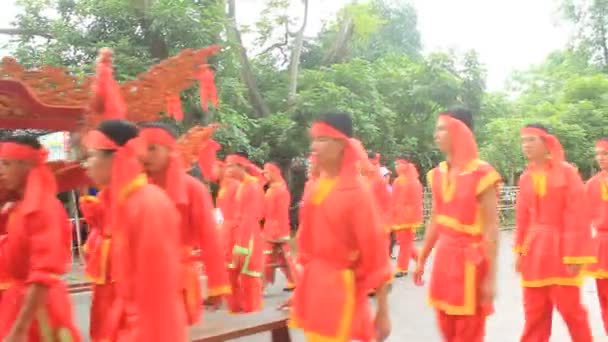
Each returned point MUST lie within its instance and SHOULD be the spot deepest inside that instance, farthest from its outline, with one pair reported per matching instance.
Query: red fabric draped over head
(411, 171)
(602, 144)
(207, 155)
(461, 133)
(553, 145)
(251, 168)
(173, 184)
(353, 153)
(275, 171)
(40, 186)
(126, 167)
(556, 153)
(108, 98)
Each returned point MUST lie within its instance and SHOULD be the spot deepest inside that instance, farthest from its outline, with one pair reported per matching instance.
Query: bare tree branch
(278, 45)
(294, 65)
(22, 32)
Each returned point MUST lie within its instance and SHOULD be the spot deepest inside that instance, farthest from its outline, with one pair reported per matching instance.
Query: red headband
(11, 150)
(466, 149)
(603, 144)
(553, 145)
(158, 136)
(239, 160)
(125, 167)
(352, 154)
(41, 185)
(321, 129)
(273, 169)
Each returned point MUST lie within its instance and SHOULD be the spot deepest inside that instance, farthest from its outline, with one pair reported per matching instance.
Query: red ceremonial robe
(247, 248)
(98, 268)
(226, 202)
(146, 263)
(4, 279)
(341, 246)
(406, 217)
(553, 230)
(597, 200)
(277, 228)
(198, 230)
(34, 253)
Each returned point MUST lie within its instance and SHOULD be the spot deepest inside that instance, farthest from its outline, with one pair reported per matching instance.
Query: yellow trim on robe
(414, 226)
(469, 306)
(89, 198)
(580, 260)
(135, 184)
(539, 182)
(599, 274)
(575, 281)
(323, 187)
(219, 291)
(490, 179)
(346, 321)
(450, 222)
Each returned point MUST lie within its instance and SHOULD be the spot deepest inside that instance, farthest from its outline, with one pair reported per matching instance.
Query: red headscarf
(353, 153)
(126, 168)
(251, 168)
(411, 171)
(108, 98)
(173, 174)
(603, 144)
(275, 171)
(40, 186)
(556, 152)
(467, 146)
(207, 158)
(553, 145)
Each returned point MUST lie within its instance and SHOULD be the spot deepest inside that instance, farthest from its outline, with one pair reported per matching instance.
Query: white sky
(508, 35)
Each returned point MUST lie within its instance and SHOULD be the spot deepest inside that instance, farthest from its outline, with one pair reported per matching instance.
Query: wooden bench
(220, 329)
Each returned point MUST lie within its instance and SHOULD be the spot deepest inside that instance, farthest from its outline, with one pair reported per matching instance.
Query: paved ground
(414, 321)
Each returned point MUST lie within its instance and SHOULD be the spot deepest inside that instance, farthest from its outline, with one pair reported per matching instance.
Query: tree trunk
(339, 49)
(294, 63)
(255, 97)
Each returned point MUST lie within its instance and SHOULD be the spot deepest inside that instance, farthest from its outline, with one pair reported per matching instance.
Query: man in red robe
(553, 238)
(597, 200)
(164, 168)
(246, 244)
(98, 250)
(341, 244)
(145, 225)
(225, 202)
(36, 305)
(277, 230)
(464, 226)
(406, 212)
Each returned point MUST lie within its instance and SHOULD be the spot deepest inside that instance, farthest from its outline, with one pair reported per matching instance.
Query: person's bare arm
(488, 202)
(34, 299)
(430, 238)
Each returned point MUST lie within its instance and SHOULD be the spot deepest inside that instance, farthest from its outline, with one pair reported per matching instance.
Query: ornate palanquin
(53, 99)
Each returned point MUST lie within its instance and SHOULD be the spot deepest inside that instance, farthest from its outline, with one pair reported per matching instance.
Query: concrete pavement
(414, 321)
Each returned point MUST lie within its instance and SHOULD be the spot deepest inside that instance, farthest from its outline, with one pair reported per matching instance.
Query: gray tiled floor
(413, 320)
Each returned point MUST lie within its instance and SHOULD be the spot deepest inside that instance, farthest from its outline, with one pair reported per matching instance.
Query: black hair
(342, 122)
(242, 154)
(371, 155)
(28, 140)
(538, 126)
(119, 131)
(603, 139)
(461, 114)
(162, 125)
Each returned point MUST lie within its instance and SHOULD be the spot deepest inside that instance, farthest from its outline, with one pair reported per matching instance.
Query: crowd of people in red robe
(152, 224)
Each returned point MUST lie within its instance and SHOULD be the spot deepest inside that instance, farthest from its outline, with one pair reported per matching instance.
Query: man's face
(234, 171)
(401, 169)
(601, 156)
(327, 150)
(268, 175)
(156, 158)
(442, 135)
(218, 171)
(533, 147)
(13, 173)
(99, 166)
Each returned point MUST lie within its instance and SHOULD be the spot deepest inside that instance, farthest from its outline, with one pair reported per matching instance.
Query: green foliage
(384, 80)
